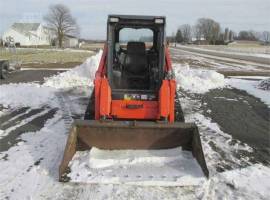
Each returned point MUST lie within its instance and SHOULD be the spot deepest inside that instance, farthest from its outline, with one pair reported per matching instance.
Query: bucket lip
(132, 124)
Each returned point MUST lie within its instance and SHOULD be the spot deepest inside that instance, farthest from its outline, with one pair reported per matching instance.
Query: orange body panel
(105, 98)
(97, 83)
(133, 109)
(172, 84)
(164, 99)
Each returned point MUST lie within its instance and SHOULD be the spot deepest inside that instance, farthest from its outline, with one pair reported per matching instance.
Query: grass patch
(44, 56)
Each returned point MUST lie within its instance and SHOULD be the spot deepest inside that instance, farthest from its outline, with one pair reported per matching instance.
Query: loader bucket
(114, 135)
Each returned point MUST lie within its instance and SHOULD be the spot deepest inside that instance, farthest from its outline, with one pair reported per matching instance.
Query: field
(31, 57)
(240, 47)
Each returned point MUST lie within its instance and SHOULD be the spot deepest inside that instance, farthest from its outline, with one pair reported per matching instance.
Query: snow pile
(146, 167)
(264, 84)
(197, 80)
(252, 87)
(82, 75)
(27, 95)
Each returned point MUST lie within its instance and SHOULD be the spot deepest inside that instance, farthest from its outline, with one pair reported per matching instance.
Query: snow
(82, 75)
(229, 51)
(170, 167)
(22, 122)
(20, 177)
(246, 183)
(26, 95)
(251, 87)
(216, 63)
(197, 80)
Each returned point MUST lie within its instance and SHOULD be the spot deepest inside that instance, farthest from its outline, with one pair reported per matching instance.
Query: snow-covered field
(29, 169)
(198, 60)
(258, 51)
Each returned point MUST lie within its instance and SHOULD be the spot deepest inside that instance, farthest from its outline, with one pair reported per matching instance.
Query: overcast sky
(91, 15)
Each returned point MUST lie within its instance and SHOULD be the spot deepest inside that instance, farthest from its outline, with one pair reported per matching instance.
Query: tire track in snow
(22, 122)
(11, 120)
(35, 122)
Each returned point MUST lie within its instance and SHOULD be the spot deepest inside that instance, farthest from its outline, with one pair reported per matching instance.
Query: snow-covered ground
(29, 169)
(196, 60)
(234, 51)
(252, 87)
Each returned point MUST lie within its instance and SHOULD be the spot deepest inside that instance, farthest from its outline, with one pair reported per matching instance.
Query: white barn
(70, 41)
(28, 34)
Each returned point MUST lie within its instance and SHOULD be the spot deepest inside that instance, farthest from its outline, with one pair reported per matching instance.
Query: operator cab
(135, 53)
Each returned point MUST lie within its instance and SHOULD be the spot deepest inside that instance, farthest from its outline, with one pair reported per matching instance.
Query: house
(27, 34)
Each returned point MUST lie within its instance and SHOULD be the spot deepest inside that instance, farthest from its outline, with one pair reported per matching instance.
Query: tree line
(208, 31)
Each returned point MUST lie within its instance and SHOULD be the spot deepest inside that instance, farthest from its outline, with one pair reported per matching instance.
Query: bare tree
(266, 36)
(60, 20)
(209, 28)
(186, 32)
(197, 32)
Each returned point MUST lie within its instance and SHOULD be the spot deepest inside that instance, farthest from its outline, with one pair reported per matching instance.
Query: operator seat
(135, 73)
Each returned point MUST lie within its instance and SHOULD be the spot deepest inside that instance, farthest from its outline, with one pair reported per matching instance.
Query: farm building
(69, 41)
(27, 34)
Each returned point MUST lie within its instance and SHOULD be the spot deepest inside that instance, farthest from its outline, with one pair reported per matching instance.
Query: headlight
(114, 19)
(159, 21)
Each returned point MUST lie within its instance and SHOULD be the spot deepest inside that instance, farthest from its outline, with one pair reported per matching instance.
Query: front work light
(114, 19)
(159, 21)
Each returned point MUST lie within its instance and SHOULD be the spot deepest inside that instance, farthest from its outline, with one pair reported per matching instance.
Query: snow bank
(145, 167)
(197, 80)
(82, 75)
(27, 95)
(35, 95)
(252, 87)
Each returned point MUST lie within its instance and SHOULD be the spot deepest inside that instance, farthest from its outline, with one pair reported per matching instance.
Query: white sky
(91, 15)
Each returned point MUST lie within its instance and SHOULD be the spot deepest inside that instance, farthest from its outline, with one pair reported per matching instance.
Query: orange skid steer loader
(133, 104)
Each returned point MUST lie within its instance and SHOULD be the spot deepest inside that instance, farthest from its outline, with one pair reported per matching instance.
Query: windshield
(136, 35)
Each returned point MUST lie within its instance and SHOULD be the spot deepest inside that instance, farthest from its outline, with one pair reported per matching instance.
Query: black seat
(135, 72)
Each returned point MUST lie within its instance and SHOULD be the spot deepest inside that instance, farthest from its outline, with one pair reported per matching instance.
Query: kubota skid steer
(133, 102)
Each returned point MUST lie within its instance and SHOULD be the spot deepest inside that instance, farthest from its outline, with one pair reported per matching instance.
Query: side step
(131, 135)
